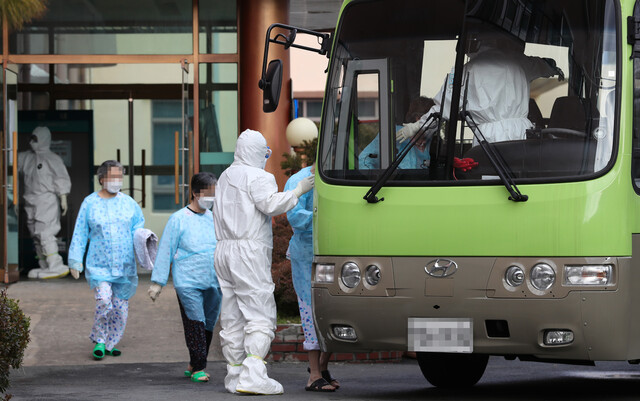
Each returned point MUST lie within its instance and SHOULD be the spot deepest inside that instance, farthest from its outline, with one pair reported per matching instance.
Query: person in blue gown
(106, 222)
(187, 248)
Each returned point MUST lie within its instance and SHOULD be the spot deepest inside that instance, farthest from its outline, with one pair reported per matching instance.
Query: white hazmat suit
(497, 86)
(246, 199)
(46, 186)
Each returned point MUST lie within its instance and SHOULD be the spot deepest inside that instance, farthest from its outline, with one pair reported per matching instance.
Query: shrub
(14, 337)
(295, 162)
(284, 293)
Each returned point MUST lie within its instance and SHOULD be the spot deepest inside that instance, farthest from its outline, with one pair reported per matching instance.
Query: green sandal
(98, 351)
(114, 352)
(188, 373)
(199, 375)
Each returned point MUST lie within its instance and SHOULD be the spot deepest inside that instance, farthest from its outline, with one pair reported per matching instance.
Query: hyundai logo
(441, 268)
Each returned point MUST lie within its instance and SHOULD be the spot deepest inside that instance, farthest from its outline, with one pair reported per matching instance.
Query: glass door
(10, 215)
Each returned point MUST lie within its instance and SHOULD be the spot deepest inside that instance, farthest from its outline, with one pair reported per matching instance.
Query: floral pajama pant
(110, 317)
(309, 329)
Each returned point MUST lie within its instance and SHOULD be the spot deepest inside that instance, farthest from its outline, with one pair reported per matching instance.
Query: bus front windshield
(533, 80)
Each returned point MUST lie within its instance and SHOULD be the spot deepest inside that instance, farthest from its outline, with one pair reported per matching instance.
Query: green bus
(524, 245)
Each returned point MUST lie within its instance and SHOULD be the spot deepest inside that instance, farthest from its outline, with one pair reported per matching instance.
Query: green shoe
(114, 352)
(200, 377)
(98, 351)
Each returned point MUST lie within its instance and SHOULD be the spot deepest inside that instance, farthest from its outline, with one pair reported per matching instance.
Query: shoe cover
(56, 269)
(231, 380)
(254, 379)
(35, 273)
(55, 264)
(48, 273)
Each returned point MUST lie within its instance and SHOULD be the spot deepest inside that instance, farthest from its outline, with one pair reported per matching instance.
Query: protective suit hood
(251, 149)
(44, 139)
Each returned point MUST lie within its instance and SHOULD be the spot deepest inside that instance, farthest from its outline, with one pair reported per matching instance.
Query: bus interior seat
(535, 115)
(568, 112)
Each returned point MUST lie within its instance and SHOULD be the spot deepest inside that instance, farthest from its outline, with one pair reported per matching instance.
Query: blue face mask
(268, 154)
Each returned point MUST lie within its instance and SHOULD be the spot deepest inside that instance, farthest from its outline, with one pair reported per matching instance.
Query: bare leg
(323, 363)
(314, 369)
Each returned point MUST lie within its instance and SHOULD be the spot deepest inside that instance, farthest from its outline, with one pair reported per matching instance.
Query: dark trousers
(198, 340)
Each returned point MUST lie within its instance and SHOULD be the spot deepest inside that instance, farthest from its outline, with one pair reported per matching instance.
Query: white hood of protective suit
(251, 149)
(44, 139)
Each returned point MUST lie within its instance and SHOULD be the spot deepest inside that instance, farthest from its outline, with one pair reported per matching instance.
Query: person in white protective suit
(496, 81)
(186, 249)
(46, 186)
(246, 199)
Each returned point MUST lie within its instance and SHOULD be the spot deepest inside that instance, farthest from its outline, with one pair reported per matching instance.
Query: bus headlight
(350, 275)
(542, 276)
(514, 276)
(325, 273)
(372, 275)
(587, 274)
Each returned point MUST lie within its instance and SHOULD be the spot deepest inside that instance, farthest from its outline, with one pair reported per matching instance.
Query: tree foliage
(294, 162)
(19, 12)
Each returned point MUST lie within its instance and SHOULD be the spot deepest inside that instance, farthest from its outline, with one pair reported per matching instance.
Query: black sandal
(327, 377)
(318, 385)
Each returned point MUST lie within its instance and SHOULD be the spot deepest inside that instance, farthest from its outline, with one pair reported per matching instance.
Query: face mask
(206, 202)
(34, 145)
(266, 157)
(113, 186)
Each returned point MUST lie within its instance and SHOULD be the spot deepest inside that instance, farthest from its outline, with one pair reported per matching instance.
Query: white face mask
(206, 202)
(113, 186)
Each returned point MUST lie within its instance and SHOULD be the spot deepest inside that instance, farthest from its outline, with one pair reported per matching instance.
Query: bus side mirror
(270, 85)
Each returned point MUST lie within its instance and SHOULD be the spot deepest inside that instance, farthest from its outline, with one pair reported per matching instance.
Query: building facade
(165, 87)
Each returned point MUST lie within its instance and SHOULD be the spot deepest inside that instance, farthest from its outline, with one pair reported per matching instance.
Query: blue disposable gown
(301, 243)
(415, 159)
(187, 246)
(107, 226)
(188, 243)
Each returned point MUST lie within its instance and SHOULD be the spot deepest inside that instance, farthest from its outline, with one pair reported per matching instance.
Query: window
(536, 83)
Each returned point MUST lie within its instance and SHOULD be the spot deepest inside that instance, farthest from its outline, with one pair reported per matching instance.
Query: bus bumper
(601, 319)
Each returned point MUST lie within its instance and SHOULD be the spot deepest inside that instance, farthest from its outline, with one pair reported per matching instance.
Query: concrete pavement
(58, 364)
(61, 312)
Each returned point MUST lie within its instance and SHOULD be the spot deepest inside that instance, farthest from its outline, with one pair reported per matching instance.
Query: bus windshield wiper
(496, 160)
(424, 130)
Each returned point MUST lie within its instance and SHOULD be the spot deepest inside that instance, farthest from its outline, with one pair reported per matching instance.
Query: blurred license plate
(440, 335)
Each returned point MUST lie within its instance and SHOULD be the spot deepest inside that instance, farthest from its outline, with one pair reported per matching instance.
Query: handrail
(144, 176)
(176, 170)
(15, 168)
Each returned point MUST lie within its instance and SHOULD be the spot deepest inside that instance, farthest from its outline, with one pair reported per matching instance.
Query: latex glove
(63, 204)
(556, 69)
(407, 131)
(74, 273)
(154, 291)
(305, 185)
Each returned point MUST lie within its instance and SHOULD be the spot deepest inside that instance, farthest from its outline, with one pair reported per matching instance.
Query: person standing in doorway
(46, 186)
